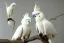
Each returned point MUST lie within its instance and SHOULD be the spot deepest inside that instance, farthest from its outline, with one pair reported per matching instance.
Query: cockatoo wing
(10, 11)
(18, 33)
(7, 9)
(37, 29)
(40, 27)
(50, 30)
(26, 32)
(29, 33)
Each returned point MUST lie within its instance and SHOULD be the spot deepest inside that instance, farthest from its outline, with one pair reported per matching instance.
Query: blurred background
(51, 8)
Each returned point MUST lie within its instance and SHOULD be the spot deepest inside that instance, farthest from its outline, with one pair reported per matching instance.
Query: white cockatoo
(43, 26)
(24, 30)
(9, 11)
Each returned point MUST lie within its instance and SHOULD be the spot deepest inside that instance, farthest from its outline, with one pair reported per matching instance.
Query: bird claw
(45, 36)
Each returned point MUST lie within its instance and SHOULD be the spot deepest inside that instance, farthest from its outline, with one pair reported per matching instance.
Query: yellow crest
(26, 15)
(36, 7)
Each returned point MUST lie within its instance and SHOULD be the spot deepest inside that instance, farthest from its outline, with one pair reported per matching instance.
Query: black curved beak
(29, 21)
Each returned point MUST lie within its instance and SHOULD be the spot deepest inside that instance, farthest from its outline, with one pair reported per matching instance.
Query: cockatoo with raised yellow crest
(43, 26)
(24, 30)
(9, 11)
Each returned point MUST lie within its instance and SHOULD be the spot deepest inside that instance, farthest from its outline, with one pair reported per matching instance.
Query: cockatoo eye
(37, 13)
(34, 15)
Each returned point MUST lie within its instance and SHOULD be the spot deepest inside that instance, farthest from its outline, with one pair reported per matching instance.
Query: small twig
(56, 17)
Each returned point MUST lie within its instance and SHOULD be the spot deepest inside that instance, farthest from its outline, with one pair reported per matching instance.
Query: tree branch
(56, 17)
(39, 38)
(27, 40)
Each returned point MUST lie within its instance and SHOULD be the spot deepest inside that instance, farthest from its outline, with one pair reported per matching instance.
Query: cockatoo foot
(40, 35)
(45, 37)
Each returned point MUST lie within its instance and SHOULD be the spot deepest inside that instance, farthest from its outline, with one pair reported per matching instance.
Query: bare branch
(33, 38)
(9, 41)
(56, 17)
(27, 40)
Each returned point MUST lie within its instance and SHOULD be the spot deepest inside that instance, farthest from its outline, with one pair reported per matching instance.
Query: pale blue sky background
(50, 8)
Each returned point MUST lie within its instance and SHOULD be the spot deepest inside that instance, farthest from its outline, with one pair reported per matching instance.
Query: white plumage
(9, 11)
(42, 24)
(24, 30)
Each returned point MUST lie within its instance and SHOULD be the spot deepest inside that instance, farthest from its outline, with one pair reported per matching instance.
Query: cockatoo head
(13, 4)
(26, 20)
(37, 14)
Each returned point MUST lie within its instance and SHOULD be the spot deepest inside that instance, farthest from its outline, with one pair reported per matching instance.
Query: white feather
(17, 33)
(9, 9)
